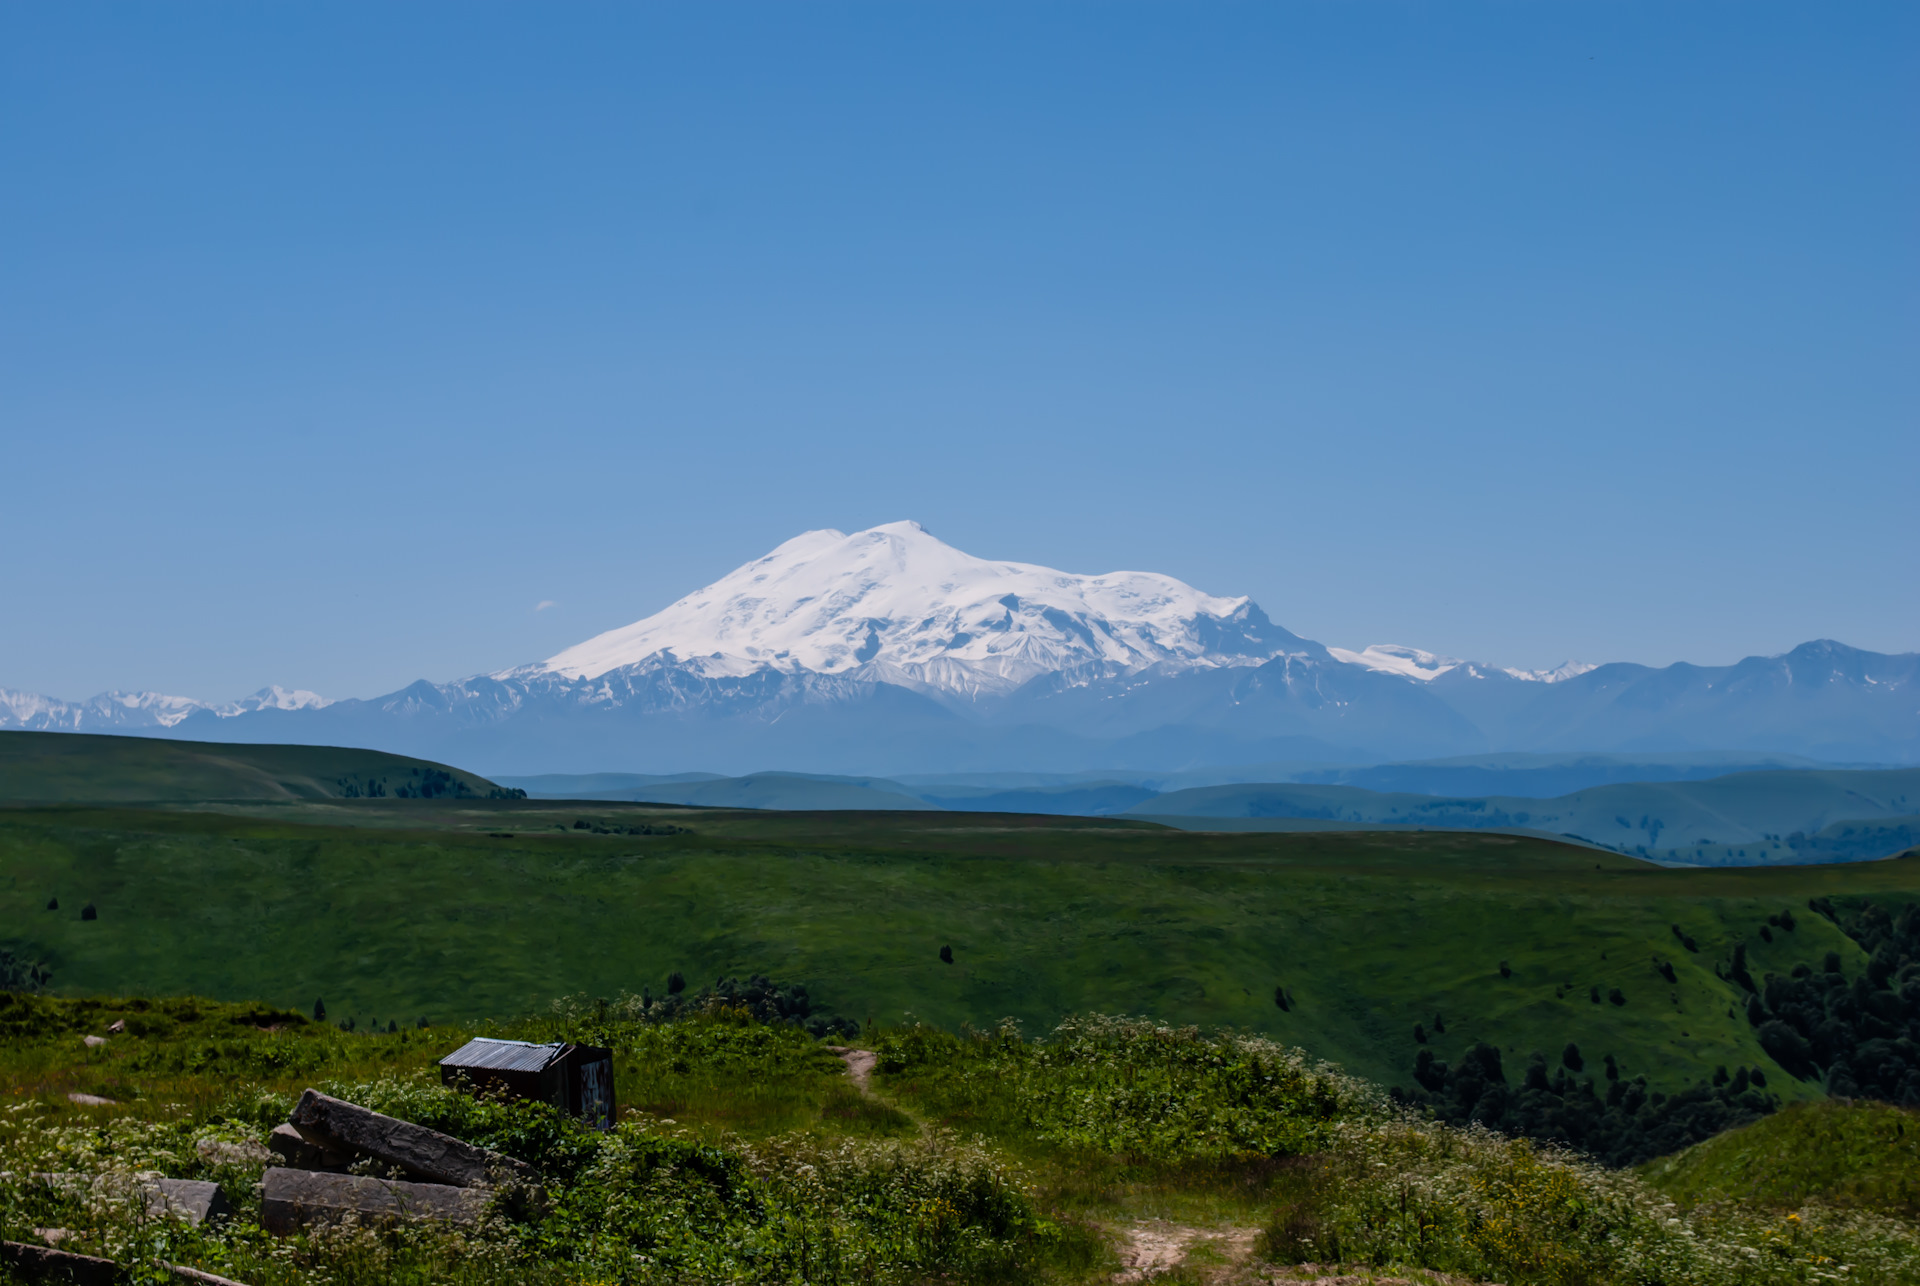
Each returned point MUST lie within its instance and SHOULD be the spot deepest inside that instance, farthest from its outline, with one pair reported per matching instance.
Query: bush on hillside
(1630, 1124)
(1861, 1037)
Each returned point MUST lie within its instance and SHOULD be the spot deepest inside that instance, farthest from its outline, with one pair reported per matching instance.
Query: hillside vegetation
(1839, 1153)
(744, 1152)
(68, 767)
(397, 909)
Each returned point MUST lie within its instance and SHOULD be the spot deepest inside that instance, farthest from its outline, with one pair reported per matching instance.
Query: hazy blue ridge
(1743, 817)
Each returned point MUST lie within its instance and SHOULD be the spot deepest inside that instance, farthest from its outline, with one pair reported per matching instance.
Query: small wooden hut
(577, 1079)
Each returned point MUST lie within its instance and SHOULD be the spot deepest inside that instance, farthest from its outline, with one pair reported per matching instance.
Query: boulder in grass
(293, 1199)
(193, 1200)
(427, 1154)
(295, 1150)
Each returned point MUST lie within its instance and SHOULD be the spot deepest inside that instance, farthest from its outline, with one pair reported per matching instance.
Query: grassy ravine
(454, 910)
(744, 1155)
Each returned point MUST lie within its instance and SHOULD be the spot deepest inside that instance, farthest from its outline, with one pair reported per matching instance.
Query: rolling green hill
(775, 790)
(69, 767)
(1857, 1155)
(395, 909)
(1793, 815)
(1741, 818)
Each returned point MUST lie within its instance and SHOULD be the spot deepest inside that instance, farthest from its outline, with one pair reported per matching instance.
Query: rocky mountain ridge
(887, 651)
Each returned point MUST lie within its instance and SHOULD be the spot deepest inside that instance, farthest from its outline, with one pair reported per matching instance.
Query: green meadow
(1231, 1125)
(455, 910)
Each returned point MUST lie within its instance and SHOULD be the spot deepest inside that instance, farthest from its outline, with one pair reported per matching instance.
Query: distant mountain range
(889, 651)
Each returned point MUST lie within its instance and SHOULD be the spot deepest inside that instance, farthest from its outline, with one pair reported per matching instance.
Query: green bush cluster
(1136, 1088)
(1622, 1125)
(1862, 1035)
(1354, 1178)
(759, 998)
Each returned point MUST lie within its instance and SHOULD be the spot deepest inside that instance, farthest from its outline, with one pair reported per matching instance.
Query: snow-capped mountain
(1412, 663)
(895, 604)
(133, 711)
(888, 651)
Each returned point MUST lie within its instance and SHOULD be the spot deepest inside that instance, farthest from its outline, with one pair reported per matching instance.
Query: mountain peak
(896, 603)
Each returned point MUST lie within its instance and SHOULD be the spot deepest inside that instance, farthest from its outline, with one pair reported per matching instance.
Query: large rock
(292, 1199)
(435, 1157)
(294, 1150)
(194, 1200)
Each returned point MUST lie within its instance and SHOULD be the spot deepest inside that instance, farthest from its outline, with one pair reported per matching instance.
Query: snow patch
(1408, 662)
(1412, 663)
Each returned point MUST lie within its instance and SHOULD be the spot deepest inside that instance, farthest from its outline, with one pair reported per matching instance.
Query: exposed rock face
(337, 1125)
(292, 1199)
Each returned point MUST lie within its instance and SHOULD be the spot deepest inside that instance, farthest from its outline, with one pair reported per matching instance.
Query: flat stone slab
(292, 1199)
(435, 1157)
(194, 1200)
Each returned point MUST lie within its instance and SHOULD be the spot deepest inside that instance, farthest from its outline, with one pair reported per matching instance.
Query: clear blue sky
(336, 338)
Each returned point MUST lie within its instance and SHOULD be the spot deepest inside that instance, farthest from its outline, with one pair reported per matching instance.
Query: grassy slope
(1863, 1155)
(398, 909)
(1737, 810)
(47, 767)
(777, 790)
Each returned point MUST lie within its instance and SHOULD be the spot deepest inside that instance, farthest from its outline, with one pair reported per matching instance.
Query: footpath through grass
(742, 1154)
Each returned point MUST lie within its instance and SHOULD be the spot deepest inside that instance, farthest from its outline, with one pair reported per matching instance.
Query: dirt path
(859, 1066)
(1155, 1246)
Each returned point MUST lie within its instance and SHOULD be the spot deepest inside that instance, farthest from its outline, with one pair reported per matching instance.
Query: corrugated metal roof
(503, 1055)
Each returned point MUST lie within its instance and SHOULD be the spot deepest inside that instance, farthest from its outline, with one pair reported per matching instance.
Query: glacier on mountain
(895, 604)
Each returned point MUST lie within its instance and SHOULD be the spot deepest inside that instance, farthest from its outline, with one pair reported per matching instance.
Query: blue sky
(334, 339)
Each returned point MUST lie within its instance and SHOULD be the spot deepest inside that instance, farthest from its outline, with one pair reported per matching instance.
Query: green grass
(401, 909)
(62, 767)
(1863, 1156)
